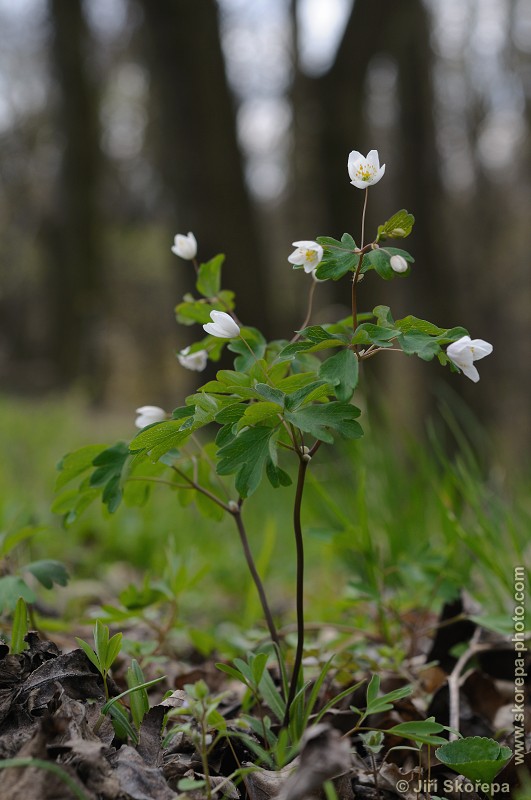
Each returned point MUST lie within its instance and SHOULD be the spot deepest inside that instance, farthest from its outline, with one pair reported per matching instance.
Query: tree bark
(193, 121)
(72, 228)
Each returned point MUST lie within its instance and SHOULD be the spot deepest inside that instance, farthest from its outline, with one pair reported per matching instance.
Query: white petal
(215, 330)
(222, 325)
(457, 348)
(296, 258)
(398, 263)
(379, 175)
(471, 372)
(373, 158)
(150, 410)
(306, 244)
(354, 160)
(481, 348)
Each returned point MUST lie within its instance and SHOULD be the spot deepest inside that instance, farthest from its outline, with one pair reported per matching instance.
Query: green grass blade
(50, 766)
(20, 627)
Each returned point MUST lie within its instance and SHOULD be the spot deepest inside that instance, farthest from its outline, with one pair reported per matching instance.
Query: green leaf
(259, 412)
(246, 456)
(74, 464)
(320, 420)
(477, 758)
(233, 672)
(270, 394)
(10, 539)
(386, 701)
(231, 378)
(122, 727)
(308, 394)
(398, 227)
(108, 473)
(11, 588)
(113, 648)
(160, 438)
(272, 696)
(420, 731)
(380, 260)
(294, 382)
(341, 370)
(89, 652)
(415, 325)
(190, 310)
(339, 257)
(73, 502)
(258, 665)
(372, 689)
(421, 344)
(190, 785)
(368, 333)
(20, 627)
(101, 641)
(276, 476)
(209, 276)
(384, 318)
(48, 572)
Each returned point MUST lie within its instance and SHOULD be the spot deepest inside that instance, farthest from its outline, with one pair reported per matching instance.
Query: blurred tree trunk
(401, 31)
(193, 118)
(72, 228)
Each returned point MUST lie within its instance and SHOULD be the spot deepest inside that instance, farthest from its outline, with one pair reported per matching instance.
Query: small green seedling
(476, 757)
(105, 651)
(375, 704)
(20, 627)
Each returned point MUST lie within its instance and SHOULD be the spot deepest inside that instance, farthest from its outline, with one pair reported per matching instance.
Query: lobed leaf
(209, 276)
(338, 258)
(398, 226)
(341, 371)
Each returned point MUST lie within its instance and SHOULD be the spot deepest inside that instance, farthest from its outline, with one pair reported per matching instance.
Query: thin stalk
(358, 268)
(237, 515)
(299, 546)
(204, 756)
(308, 312)
(200, 488)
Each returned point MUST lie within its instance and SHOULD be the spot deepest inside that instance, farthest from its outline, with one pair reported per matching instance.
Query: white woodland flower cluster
(364, 171)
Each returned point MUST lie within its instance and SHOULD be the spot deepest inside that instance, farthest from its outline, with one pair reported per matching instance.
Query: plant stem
(194, 485)
(299, 545)
(308, 312)
(237, 515)
(358, 268)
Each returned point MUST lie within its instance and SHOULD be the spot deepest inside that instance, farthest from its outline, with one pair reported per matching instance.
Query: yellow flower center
(365, 172)
(310, 255)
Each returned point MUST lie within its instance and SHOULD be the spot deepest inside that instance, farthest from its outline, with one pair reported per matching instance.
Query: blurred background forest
(123, 122)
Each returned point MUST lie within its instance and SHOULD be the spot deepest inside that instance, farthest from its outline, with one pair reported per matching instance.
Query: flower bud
(185, 246)
(398, 263)
(147, 415)
(222, 326)
(233, 506)
(195, 361)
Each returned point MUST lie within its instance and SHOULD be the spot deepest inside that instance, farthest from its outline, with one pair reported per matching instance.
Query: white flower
(222, 326)
(466, 350)
(185, 246)
(195, 361)
(147, 415)
(398, 263)
(307, 255)
(365, 171)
